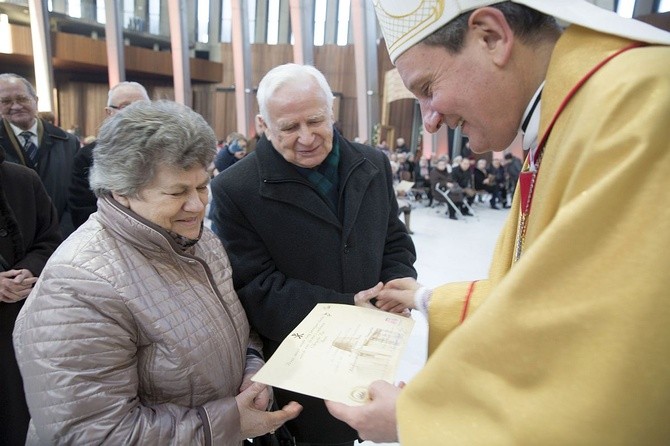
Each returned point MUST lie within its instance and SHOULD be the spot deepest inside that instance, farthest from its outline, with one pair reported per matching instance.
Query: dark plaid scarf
(326, 177)
(184, 242)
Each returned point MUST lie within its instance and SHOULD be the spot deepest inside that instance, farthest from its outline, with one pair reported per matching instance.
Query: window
(100, 13)
(226, 21)
(625, 8)
(343, 14)
(74, 8)
(320, 21)
(154, 16)
(202, 13)
(128, 14)
(273, 22)
(252, 20)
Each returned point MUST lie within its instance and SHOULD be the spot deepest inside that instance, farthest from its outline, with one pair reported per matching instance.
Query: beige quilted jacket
(127, 340)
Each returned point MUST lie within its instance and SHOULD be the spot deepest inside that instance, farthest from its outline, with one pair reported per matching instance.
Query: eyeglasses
(118, 107)
(21, 100)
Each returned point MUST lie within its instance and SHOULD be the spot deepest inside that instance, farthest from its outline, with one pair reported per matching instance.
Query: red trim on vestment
(466, 303)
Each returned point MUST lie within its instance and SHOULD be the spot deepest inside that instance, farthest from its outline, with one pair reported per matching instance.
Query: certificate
(337, 351)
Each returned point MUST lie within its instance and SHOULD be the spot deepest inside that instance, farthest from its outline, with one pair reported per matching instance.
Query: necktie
(29, 147)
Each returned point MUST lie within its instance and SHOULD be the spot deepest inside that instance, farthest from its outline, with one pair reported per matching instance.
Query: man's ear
(490, 26)
(262, 125)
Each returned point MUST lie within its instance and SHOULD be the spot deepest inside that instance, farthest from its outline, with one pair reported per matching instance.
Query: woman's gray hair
(528, 25)
(283, 74)
(133, 143)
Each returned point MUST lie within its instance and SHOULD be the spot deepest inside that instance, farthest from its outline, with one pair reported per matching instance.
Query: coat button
(3, 232)
(346, 249)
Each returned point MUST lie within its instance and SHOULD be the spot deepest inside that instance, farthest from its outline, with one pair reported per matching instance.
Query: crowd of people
(456, 184)
(124, 319)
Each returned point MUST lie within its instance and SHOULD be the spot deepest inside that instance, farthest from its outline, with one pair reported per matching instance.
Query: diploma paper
(337, 351)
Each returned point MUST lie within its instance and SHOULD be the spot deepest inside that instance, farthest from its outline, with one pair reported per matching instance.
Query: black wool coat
(81, 199)
(55, 160)
(29, 234)
(290, 251)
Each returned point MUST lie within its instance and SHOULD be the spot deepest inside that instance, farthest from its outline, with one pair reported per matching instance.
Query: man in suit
(81, 200)
(36, 143)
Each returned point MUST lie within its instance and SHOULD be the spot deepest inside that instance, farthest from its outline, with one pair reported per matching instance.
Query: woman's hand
(255, 422)
(15, 285)
(262, 401)
(376, 420)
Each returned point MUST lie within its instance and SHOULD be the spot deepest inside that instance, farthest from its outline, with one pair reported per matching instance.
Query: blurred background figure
(82, 201)
(485, 182)
(500, 179)
(422, 180)
(445, 189)
(401, 146)
(231, 153)
(513, 169)
(36, 143)
(402, 195)
(29, 234)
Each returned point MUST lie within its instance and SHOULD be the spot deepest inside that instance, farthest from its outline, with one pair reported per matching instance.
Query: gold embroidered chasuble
(569, 345)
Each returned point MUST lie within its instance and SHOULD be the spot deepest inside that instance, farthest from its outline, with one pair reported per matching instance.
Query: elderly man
(566, 341)
(82, 200)
(36, 143)
(307, 218)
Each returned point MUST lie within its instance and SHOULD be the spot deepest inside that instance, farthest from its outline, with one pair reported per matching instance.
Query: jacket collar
(136, 230)
(46, 134)
(280, 181)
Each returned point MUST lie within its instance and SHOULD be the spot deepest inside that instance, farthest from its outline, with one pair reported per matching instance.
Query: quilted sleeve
(75, 343)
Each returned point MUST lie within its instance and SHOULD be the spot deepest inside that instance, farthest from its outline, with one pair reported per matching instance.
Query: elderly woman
(133, 333)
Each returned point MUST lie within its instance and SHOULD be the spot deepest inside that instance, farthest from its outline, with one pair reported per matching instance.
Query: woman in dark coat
(29, 234)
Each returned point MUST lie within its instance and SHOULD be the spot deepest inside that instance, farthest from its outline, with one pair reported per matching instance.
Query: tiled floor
(447, 250)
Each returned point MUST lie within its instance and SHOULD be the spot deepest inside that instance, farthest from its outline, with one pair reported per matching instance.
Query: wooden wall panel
(400, 112)
(72, 51)
(163, 92)
(144, 60)
(225, 120)
(204, 101)
(79, 49)
(205, 70)
(82, 95)
(21, 40)
(333, 61)
(336, 63)
(266, 57)
(82, 104)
